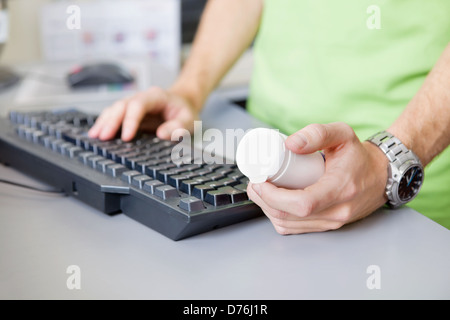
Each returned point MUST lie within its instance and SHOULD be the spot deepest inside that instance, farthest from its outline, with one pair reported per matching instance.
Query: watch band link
(392, 147)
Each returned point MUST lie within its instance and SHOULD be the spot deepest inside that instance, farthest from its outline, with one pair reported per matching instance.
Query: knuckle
(281, 230)
(278, 214)
(343, 215)
(351, 191)
(335, 225)
(316, 130)
(347, 129)
(305, 207)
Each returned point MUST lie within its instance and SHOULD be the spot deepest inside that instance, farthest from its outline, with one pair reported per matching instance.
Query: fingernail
(257, 188)
(299, 140)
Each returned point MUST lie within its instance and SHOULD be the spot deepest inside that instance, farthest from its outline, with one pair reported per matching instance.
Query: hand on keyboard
(150, 110)
(139, 178)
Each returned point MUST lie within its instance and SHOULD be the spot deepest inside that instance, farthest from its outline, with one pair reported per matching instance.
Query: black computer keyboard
(138, 178)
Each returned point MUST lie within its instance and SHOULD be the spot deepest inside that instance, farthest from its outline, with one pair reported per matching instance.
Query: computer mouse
(98, 74)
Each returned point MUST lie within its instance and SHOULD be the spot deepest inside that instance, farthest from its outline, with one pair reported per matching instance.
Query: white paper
(75, 30)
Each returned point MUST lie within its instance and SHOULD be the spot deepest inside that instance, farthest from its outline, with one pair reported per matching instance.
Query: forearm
(226, 30)
(424, 126)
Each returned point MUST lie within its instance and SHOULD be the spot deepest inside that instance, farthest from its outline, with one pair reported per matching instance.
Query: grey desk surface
(42, 235)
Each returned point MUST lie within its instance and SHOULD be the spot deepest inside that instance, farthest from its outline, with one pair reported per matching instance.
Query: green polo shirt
(356, 61)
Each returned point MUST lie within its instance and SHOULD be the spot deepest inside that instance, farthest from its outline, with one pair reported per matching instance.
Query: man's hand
(351, 188)
(153, 109)
(226, 30)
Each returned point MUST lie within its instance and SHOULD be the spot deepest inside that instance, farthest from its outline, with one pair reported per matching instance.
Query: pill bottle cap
(260, 154)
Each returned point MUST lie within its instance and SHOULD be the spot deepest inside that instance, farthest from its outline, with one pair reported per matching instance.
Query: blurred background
(24, 42)
(43, 41)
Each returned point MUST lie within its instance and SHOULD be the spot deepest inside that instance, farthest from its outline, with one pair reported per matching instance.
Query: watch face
(410, 183)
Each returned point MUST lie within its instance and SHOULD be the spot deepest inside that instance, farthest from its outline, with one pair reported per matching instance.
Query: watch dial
(410, 183)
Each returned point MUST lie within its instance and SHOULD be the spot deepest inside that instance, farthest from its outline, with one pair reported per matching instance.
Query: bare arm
(226, 30)
(424, 126)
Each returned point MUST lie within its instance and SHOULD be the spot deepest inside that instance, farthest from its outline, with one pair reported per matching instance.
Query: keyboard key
(142, 165)
(102, 165)
(84, 156)
(74, 151)
(202, 172)
(200, 191)
(211, 167)
(235, 175)
(99, 146)
(122, 158)
(37, 136)
(244, 180)
(140, 180)
(223, 170)
(132, 162)
(56, 145)
(175, 180)
(92, 161)
(242, 187)
(218, 198)
(190, 167)
(127, 176)
(215, 176)
(106, 149)
(191, 204)
(151, 185)
(163, 175)
(186, 186)
(228, 182)
(235, 194)
(47, 141)
(64, 148)
(166, 192)
(115, 170)
(213, 184)
(152, 171)
(202, 179)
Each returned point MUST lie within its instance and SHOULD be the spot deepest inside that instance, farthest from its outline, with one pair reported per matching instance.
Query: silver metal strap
(392, 147)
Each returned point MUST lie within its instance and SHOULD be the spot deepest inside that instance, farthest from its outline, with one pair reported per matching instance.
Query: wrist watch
(405, 171)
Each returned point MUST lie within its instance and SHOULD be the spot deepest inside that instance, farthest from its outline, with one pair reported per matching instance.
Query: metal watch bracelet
(400, 159)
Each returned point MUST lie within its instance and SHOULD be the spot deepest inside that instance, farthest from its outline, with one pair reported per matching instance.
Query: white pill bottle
(262, 156)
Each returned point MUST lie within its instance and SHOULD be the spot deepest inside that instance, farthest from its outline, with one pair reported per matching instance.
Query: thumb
(316, 137)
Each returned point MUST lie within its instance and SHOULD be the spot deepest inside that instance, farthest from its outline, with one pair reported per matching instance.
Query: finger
(303, 203)
(151, 101)
(112, 120)
(166, 129)
(270, 212)
(315, 137)
(285, 227)
(285, 223)
(94, 131)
